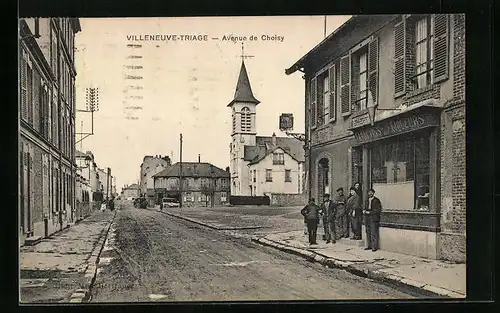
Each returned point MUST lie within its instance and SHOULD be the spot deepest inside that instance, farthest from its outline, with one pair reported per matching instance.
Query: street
(156, 257)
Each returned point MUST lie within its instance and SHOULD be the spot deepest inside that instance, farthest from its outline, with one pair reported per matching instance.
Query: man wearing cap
(341, 229)
(371, 211)
(328, 212)
(311, 214)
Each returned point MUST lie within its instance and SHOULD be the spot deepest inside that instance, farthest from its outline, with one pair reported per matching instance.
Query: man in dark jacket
(342, 229)
(328, 213)
(354, 211)
(371, 211)
(311, 214)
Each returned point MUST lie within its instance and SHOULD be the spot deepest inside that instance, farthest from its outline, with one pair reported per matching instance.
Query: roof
(299, 64)
(264, 146)
(341, 40)
(133, 186)
(243, 91)
(193, 169)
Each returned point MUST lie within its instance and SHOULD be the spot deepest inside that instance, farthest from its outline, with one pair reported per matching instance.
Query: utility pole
(107, 184)
(180, 173)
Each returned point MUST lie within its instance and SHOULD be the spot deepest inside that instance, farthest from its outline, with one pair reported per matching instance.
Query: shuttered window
(424, 54)
(313, 116)
(24, 90)
(29, 94)
(373, 64)
(399, 57)
(333, 94)
(345, 85)
(441, 47)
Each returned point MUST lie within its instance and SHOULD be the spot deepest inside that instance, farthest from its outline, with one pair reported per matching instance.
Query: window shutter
(313, 116)
(373, 69)
(441, 43)
(29, 93)
(399, 58)
(24, 83)
(345, 84)
(333, 93)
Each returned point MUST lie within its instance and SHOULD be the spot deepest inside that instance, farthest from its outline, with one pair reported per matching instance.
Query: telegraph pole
(180, 173)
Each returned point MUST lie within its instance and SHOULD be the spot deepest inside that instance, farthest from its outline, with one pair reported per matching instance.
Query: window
(223, 196)
(29, 94)
(188, 197)
(269, 175)
(359, 79)
(288, 177)
(254, 172)
(246, 120)
(424, 52)
(278, 158)
(323, 100)
(401, 172)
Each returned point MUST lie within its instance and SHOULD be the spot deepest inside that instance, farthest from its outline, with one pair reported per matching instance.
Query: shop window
(400, 172)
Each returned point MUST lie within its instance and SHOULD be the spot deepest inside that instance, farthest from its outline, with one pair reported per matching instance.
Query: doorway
(324, 178)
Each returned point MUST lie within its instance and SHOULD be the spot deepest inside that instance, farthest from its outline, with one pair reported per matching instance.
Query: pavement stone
(67, 257)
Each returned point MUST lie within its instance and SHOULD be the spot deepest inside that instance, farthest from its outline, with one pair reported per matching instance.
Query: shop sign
(286, 122)
(360, 120)
(396, 126)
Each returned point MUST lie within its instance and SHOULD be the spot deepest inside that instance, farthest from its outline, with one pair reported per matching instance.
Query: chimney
(274, 140)
(199, 158)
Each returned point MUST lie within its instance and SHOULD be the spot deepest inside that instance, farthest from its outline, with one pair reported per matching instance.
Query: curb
(209, 225)
(83, 294)
(360, 271)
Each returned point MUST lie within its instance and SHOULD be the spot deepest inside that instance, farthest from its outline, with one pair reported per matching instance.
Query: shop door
(323, 179)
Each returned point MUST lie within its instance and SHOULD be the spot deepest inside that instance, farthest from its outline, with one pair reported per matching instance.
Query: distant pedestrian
(311, 214)
(354, 210)
(372, 209)
(341, 228)
(111, 204)
(328, 213)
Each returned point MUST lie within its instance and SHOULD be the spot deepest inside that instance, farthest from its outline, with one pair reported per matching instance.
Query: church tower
(243, 113)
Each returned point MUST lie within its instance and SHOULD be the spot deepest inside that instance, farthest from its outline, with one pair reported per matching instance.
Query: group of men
(343, 216)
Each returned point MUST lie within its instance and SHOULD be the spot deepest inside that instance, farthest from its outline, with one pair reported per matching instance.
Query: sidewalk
(437, 277)
(432, 276)
(62, 268)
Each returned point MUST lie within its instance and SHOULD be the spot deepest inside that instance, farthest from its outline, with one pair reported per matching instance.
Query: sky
(186, 84)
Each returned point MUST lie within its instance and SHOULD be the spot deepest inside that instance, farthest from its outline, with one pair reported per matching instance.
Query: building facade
(131, 192)
(151, 165)
(203, 184)
(47, 169)
(385, 106)
(254, 160)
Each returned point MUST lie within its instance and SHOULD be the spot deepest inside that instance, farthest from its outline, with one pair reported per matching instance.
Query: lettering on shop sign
(361, 120)
(396, 126)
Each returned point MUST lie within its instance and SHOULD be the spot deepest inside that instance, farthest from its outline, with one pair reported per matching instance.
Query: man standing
(328, 212)
(372, 210)
(354, 211)
(311, 214)
(341, 215)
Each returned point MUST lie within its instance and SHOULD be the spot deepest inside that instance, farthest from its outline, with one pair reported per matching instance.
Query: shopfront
(398, 157)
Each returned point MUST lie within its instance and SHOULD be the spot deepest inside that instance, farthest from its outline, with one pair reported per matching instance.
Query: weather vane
(243, 56)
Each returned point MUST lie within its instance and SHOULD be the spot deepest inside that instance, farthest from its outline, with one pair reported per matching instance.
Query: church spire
(243, 91)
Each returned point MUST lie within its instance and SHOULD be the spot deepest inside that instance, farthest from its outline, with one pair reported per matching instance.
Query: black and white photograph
(242, 158)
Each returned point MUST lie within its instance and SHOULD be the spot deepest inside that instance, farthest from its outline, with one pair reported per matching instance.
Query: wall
(281, 199)
(278, 185)
(452, 238)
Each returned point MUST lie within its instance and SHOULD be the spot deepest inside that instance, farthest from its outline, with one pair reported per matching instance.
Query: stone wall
(284, 199)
